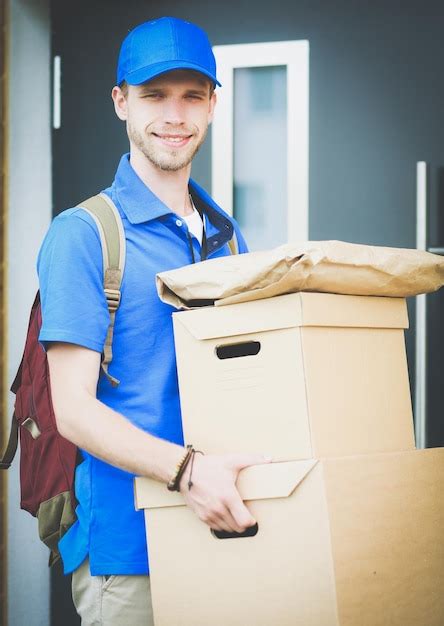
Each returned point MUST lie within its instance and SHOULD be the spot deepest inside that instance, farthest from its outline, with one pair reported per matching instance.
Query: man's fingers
(230, 523)
(218, 518)
(240, 513)
(216, 526)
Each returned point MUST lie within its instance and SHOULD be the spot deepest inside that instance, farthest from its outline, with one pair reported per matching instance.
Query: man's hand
(214, 496)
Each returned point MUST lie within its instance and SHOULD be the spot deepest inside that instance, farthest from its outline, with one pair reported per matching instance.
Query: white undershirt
(195, 224)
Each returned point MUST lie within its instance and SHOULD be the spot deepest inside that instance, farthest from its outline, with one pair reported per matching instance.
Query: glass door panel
(260, 155)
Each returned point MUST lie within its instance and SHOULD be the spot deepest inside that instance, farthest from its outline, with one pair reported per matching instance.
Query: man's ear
(213, 101)
(120, 103)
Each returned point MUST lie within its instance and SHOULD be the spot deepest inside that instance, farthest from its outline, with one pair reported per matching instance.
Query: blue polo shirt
(74, 310)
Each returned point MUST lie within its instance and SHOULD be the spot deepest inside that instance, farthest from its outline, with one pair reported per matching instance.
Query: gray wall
(29, 202)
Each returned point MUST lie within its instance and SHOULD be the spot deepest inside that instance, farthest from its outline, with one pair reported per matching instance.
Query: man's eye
(152, 96)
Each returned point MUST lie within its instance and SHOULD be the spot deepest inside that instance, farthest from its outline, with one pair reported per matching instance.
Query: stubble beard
(167, 160)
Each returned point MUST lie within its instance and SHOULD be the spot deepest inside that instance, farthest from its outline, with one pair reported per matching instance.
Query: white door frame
(295, 56)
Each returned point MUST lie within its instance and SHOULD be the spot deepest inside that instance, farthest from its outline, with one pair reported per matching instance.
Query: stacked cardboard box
(350, 519)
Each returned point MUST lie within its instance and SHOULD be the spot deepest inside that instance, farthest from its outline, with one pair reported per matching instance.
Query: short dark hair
(124, 88)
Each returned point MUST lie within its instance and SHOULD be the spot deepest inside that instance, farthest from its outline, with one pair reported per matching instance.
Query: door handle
(421, 313)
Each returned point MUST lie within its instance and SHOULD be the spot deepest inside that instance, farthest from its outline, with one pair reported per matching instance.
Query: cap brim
(144, 74)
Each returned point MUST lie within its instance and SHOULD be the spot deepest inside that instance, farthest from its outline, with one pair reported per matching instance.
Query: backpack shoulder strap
(112, 237)
(233, 244)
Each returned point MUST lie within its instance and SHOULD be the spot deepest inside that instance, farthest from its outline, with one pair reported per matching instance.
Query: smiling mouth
(173, 140)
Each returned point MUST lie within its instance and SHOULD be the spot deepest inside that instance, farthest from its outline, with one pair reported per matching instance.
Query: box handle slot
(223, 534)
(235, 350)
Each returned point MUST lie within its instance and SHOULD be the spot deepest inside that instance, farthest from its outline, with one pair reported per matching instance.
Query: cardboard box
(319, 375)
(354, 541)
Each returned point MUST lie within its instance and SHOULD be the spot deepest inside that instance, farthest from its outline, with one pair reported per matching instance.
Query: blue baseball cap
(163, 45)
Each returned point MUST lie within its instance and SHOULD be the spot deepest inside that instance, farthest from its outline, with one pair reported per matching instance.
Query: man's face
(167, 118)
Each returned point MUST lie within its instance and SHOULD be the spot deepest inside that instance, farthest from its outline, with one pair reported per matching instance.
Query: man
(165, 93)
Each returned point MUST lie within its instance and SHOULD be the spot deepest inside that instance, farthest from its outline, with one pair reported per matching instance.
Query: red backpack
(47, 460)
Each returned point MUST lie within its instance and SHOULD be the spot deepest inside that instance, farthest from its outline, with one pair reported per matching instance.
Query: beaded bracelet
(174, 483)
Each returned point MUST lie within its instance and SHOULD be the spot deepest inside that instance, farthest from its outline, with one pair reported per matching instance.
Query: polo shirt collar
(136, 200)
(140, 204)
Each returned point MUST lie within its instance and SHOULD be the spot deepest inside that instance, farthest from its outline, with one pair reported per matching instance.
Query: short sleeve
(70, 271)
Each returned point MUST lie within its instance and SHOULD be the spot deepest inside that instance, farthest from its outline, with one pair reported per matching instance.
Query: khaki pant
(113, 600)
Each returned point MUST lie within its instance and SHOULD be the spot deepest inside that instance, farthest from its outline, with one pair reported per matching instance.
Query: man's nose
(173, 111)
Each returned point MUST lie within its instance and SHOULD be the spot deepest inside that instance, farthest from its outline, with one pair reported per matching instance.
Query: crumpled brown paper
(327, 266)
